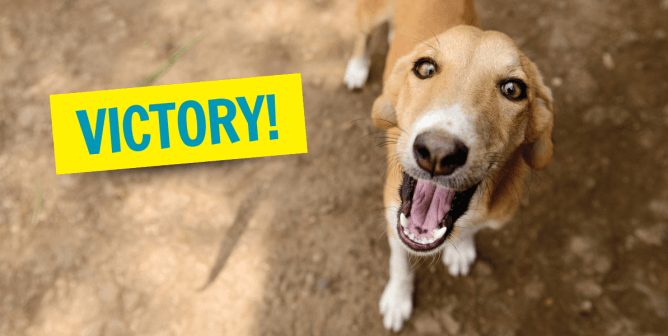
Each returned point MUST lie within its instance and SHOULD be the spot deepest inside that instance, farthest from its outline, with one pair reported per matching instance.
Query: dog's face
(462, 102)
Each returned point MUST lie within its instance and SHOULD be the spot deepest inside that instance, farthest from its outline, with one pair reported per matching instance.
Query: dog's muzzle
(428, 212)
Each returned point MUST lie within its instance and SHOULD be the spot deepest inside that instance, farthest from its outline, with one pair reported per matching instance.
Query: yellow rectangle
(123, 143)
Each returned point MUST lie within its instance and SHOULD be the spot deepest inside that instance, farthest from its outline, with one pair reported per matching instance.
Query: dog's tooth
(403, 220)
(424, 240)
(406, 231)
(440, 233)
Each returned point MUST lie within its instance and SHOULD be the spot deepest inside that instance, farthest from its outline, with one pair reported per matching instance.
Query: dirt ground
(295, 245)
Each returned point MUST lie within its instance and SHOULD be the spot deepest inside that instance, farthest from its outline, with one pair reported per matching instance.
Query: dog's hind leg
(370, 14)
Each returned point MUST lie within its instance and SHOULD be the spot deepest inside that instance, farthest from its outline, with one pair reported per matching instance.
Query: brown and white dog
(469, 113)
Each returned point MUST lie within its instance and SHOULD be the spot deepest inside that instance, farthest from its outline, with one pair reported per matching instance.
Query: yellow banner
(180, 123)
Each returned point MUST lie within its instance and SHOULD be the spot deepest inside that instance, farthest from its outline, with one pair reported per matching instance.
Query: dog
(469, 117)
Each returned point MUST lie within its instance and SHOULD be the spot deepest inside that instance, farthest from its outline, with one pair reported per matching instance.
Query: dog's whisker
(416, 39)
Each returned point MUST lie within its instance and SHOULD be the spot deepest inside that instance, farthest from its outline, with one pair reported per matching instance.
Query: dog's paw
(396, 304)
(356, 73)
(459, 258)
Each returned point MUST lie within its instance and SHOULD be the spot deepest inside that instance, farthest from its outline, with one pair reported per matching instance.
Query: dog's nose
(439, 154)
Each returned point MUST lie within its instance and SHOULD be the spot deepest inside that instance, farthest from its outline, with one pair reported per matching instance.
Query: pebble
(608, 62)
(659, 208)
(580, 246)
(586, 307)
(651, 236)
(588, 288)
(557, 81)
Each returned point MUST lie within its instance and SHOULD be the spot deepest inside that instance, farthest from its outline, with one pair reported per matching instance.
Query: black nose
(438, 153)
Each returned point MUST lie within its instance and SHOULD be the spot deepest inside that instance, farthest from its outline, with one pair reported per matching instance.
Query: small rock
(426, 325)
(629, 37)
(586, 307)
(589, 288)
(557, 81)
(608, 62)
(651, 236)
(659, 207)
(660, 34)
(580, 246)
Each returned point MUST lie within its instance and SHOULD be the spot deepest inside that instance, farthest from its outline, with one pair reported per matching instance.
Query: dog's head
(462, 102)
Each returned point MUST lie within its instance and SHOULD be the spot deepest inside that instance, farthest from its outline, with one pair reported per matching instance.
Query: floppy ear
(383, 112)
(537, 146)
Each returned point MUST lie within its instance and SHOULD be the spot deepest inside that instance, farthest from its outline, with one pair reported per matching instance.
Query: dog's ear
(537, 146)
(383, 112)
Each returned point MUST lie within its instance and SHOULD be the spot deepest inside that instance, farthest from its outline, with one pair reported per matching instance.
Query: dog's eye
(424, 68)
(513, 89)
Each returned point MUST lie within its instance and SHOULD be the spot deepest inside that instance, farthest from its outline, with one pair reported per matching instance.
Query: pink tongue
(429, 206)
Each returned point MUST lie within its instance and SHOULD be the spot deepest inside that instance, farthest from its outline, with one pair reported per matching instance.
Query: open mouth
(428, 212)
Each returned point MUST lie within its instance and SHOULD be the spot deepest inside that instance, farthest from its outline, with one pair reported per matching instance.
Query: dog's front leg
(396, 304)
(460, 252)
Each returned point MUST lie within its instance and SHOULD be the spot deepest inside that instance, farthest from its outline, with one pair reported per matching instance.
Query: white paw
(390, 36)
(356, 73)
(396, 304)
(459, 259)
